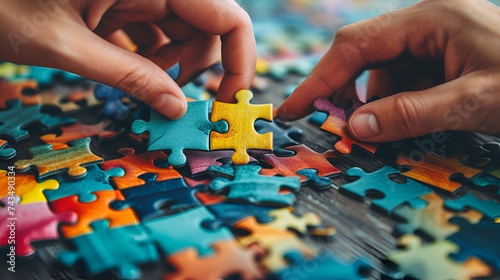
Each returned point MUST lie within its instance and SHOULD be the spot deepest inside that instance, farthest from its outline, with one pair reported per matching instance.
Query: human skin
(78, 36)
(435, 64)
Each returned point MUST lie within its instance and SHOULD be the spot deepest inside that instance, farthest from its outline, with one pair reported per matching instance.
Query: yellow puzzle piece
(27, 187)
(241, 134)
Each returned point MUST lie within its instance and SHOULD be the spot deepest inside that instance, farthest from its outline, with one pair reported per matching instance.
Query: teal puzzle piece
(489, 208)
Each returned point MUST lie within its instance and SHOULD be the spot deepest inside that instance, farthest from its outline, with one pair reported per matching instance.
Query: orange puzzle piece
(26, 187)
(13, 90)
(77, 131)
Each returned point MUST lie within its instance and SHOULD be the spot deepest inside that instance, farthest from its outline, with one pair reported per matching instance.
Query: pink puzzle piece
(199, 161)
(35, 221)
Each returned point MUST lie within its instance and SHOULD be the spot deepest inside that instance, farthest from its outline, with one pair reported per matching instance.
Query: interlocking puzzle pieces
(230, 258)
(283, 135)
(91, 211)
(489, 208)
(120, 249)
(6, 152)
(49, 162)
(437, 170)
(394, 194)
(230, 213)
(155, 198)
(479, 240)
(192, 131)
(77, 131)
(26, 187)
(326, 266)
(249, 186)
(199, 161)
(433, 219)
(18, 117)
(58, 100)
(241, 134)
(117, 102)
(33, 222)
(310, 166)
(14, 90)
(166, 233)
(84, 188)
(489, 181)
(137, 164)
(432, 262)
(336, 123)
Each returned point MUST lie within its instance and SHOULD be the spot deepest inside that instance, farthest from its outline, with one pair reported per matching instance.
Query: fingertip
(169, 105)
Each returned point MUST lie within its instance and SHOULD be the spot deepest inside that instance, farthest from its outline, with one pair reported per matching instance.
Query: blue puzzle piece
(487, 182)
(489, 208)
(16, 118)
(150, 199)
(229, 214)
(395, 194)
(314, 181)
(249, 186)
(6, 152)
(45, 75)
(113, 107)
(95, 180)
(180, 231)
(282, 137)
(192, 131)
(120, 249)
(194, 91)
(318, 118)
(174, 71)
(326, 266)
(479, 240)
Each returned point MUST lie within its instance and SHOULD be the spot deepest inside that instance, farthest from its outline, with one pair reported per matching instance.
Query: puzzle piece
(284, 219)
(199, 161)
(196, 92)
(431, 261)
(229, 214)
(119, 249)
(95, 180)
(6, 152)
(304, 161)
(230, 258)
(26, 187)
(241, 134)
(490, 208)
(436, 170)
(92, 211)
(14, 90)
(336, 123)
(489, 181)
(16, 118)
(58, 100)
(77, 131)
(45, 75)
(318, 118)
(165, 232)
(191, 131)
(117, 103)
(34, 222)
(479, 240)
(154, 197)
(394, 193)
(326, 266)
(433, 220)
(48, 162)
(282, 135)
(84, 95)
(249, 186)
(11, 71)
(137, 164)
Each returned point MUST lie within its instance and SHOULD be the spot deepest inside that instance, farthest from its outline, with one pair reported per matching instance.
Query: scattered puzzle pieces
(336, 123)
(282, 135)
(394, 194)
(489, 181)
(48, 162)
(436, 170)
(489, 208)
(241, 134)
(117, 103)
(26, 187)
(14, 90)
(251, 187)
(230, 213)
(6, 152)
(189, 132)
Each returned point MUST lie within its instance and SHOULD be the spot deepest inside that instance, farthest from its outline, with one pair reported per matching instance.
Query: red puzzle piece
(89, 212)
(34, 222)
(137, 164)
(13, 90)
(336, 123)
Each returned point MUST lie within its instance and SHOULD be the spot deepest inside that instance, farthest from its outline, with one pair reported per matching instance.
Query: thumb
(104, 62)
(451, 106)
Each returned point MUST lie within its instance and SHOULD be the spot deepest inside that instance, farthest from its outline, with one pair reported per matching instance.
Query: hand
(75, 36)
(436, 64)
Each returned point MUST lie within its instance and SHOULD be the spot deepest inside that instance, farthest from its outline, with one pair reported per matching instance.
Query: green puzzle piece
(248, 185)
(192, 131)
(395, 194)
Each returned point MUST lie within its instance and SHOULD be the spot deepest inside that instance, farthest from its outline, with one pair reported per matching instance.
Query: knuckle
(345, 34)
(408, 117)
(135, 82)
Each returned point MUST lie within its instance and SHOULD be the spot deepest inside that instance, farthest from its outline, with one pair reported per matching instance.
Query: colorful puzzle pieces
(11, 71)
(6, 152)
(489, 181)
(489, 208)
(241, 134)
(436, 170)
(336, 123)
(26, 187)
(247, 185)
(72, 159)
(115, 105)
(282, 135)
(192, 131)
(14, 90)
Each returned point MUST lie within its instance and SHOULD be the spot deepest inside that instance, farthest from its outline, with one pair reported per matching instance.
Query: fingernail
(364, 126)
(169, 105)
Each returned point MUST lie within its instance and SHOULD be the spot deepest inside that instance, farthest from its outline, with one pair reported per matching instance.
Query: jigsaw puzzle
(10, 90)
(489, 208)
(489, 181)
(283, 135)
(26, 187)
(6, 152)
(117, 103)
(241, 134)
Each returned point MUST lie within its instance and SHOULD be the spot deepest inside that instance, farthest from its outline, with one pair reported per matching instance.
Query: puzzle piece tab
(49, 162)
(192, 131)
(490, 208)
(489, 181)
(241, 134)
(14, 90)
(6, 152)
(282, 135)
(27, 187)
